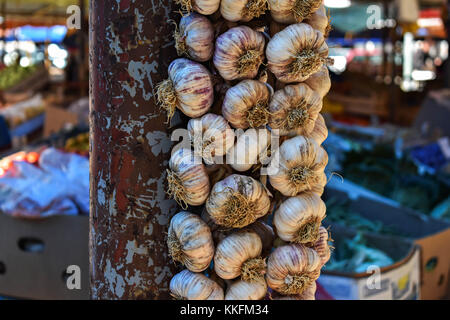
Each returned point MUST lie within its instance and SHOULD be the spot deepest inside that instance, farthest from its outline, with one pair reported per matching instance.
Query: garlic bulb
(205, 7)
(294, 110)
(320, 131)
(246, 104)
(237, 201)
(265, 232)
(239, 53)
(296, 52)
(188, 181)
(292, 11)
(320, 81)
(211, 136)
(194, 37)
(239, 255)
(319, 187)
(188, 285)
(322, 247)
(242, 10)
(298, 219)
(292, 269)
(243, 290)
(248, 149)
(299, 165)
(308, 294)
(188, 88)
(320, 21)
(190, 241)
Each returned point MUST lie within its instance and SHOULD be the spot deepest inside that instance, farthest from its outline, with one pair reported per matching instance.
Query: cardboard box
(400, 281)
(57, 118)
(35, 254)
(432, 235)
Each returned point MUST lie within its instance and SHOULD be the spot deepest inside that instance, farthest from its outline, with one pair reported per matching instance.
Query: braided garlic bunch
(224, 79)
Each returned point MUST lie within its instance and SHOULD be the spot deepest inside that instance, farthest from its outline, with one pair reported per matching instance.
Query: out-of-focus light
(423, 75)
(25, 62)
(337, 3)
(60, 63)
(370, 46)
(429, 22)
(7, 60)
(443, 52)
(53, 50)
(32, 157)
(340, 64)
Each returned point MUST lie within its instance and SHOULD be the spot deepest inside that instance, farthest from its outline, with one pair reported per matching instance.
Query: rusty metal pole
(130, 50)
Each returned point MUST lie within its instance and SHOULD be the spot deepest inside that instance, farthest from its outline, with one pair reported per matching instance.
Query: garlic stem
(176, 189)
(167, 97)
(306, 63)
(258, 115)
(253, 270)
(254, 9)
(308, 233)
(303, 9)
(239, 211)
(296, 283)
(175, 248)
(250, 60)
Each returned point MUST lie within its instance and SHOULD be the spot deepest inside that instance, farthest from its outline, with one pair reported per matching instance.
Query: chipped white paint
(159, 141)
(100, 191)
(114, 42)
(132, 249)
(140, 72)
(114, 280)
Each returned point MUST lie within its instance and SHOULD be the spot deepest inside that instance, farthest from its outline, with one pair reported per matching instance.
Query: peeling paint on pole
(130, 50)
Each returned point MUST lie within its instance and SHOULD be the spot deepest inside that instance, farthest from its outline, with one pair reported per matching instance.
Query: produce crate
(399, 281)
(374, 103)
(35, 254)
(432, 235)
(28, 87)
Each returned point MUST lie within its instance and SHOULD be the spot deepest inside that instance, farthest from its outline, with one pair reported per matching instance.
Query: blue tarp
(53, 34)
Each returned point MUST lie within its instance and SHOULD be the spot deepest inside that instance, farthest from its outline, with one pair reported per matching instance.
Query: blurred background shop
(388, 114)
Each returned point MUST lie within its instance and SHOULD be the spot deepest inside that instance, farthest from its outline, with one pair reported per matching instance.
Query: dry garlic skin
(320, 81)
(292, 11)
(298, 167)
(249, 149)
(188, 285)
(265, 232)
(237, 201)
(211, 136)
(239, 255)
(298, 219)
(242, 10)
(296, 52)
(243, 290)
(320, 131)
(189, 88)
(194, 37)
(188, 181)
(205, 7)
(246, 104)
(294, 110)
(239, 52)
(292, 269)
(190, 241)
(320, 21)
(322, 247)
